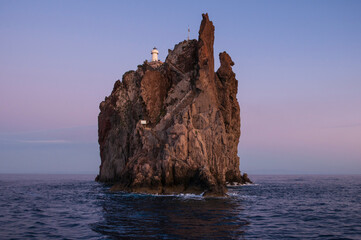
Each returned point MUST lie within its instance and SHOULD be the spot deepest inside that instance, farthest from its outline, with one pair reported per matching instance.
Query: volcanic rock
(189, 142)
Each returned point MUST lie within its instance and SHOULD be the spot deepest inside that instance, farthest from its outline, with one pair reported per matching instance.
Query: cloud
(80, 134)
(55, 141)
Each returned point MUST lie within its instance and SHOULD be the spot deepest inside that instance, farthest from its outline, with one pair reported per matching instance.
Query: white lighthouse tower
(154, 54)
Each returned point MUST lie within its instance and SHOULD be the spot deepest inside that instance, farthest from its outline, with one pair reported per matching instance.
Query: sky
(298, 64)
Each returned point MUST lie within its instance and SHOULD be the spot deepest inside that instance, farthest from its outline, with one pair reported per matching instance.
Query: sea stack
(173, 126)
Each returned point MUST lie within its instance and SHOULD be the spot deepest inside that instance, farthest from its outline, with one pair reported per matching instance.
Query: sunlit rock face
(189, 144)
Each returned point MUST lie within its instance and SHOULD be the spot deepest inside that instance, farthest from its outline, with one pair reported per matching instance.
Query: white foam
(250, 184)
(238, 195)
(190, 196)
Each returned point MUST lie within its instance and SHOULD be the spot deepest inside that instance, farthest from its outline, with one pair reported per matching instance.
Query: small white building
(143, 122)
(154, 54)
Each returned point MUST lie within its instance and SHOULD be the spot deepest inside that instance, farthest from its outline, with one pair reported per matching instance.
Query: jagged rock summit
(173, 127)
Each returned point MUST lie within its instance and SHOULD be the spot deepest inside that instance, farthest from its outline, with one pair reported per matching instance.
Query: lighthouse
(154, 54)
(155, 63)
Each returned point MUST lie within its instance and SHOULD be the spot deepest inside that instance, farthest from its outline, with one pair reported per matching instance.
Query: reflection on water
(164, 217)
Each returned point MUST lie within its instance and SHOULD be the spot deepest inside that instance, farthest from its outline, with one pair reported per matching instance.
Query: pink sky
(298, 66)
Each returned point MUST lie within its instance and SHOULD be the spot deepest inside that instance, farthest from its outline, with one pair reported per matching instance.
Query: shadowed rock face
(189, 144)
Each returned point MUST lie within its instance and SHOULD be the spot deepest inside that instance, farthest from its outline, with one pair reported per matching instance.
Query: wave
(179, 195)
(235, 185)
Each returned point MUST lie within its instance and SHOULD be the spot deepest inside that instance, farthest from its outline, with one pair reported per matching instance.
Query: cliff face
(189, 143)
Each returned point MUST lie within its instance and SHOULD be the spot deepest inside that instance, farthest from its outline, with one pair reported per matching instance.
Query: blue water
(276, 207)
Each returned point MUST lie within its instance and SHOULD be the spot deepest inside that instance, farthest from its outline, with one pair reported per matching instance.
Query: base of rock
(219, 191)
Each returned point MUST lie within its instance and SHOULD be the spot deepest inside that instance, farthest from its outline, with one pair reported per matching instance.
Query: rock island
(174, 126)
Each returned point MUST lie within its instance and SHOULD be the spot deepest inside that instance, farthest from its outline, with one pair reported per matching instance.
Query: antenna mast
(188, 33)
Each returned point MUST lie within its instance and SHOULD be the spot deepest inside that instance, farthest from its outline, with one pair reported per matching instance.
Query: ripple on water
(71, 207)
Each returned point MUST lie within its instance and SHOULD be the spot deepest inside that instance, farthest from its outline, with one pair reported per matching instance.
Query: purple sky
(298, 64)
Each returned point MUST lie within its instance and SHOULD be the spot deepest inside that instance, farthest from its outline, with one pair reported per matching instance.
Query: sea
(274, 207)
